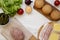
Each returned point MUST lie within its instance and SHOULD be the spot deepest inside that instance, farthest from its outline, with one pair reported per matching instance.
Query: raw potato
(55, 15)
(28, 9)
(39, 3)
(47, 9)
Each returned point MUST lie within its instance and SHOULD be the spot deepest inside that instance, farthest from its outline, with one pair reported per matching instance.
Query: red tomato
(20, 11)
(56, 3)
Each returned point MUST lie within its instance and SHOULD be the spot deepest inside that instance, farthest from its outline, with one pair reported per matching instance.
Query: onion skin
(28, 2)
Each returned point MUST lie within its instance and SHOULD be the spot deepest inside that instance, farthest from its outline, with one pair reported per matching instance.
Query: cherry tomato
(56, 3)
(20, 11)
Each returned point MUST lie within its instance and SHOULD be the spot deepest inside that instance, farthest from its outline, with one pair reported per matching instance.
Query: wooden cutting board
(32, 38)
(47, 16)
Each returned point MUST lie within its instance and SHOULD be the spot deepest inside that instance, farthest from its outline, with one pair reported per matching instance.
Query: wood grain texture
(32, 38)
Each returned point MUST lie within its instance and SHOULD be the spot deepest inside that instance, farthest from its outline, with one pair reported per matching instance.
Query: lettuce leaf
(10, 7)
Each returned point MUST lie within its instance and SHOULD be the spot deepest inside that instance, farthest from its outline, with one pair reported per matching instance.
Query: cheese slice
(56, 27)
(54, 36)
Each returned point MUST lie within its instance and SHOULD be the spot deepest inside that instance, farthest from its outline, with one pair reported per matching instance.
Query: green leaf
(10, 6)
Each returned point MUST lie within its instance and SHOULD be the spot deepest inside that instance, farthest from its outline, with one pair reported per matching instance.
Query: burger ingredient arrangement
(14, 32)
(10, 7)
(48, 10)
(50, 31)
(28, 8)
